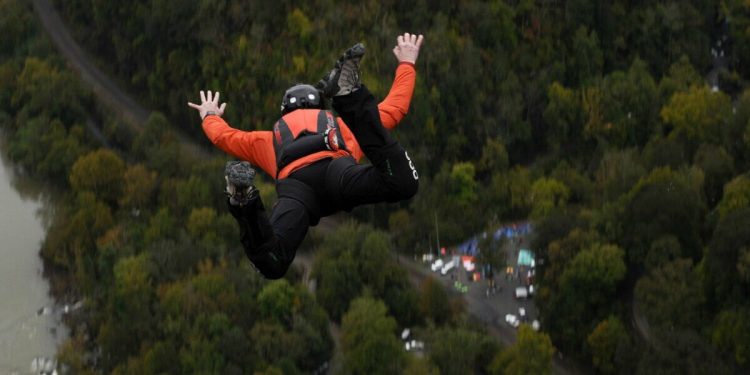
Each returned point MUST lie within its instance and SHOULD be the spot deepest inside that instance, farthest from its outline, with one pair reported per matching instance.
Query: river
(30, 326)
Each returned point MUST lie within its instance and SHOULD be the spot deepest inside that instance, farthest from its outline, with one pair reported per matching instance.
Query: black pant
(326, 187)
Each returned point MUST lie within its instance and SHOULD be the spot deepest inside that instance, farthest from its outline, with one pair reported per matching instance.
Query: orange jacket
(257, 146)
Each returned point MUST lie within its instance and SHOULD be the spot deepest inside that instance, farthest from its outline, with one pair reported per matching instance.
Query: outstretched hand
(209, 105)
(407, 47)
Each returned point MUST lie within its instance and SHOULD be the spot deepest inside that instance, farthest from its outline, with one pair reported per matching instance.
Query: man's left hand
(407, 47)
(209, 105)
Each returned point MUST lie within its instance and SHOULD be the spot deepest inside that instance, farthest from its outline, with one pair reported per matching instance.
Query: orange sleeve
(254, 146)
(394, 107)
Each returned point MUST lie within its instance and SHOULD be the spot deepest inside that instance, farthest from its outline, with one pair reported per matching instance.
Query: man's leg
(269, 244)
(392, 176)
(272, 244)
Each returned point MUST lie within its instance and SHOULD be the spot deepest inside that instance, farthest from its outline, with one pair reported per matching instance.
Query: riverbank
(30, 323)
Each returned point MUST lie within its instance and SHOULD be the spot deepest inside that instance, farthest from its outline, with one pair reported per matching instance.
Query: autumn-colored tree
(604, 341)
(139, 187)
(100, 172)
(531, 354)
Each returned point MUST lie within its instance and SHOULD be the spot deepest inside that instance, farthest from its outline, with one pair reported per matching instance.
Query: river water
(30, 325)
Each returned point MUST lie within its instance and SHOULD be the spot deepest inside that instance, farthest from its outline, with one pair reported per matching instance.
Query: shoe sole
(357, 50)
(240, 174)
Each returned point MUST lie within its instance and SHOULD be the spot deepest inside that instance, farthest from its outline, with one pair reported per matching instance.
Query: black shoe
(343, 79)
(239, 176)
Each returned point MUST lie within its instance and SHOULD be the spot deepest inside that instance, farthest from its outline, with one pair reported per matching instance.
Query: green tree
(201, 224)
(130, 318)
(604, 342)
(42, 88)
(463, 185)
(162, 225)
(580, 184)
(434, 303)
(718, 168)
(622, 109)
(420, 366)
(736, 196)
(680, 77)
(458, 350)
(731, 333)
(697, 114)
(399, 226)
(663, 250)
(494, 157)
(664, 202)
(586, 57)
(101, 172)
(71, 241)
(139, 187)
(664, 152)
(618, 172)
(671, 297)
(519, 186)
(368, 339)
(531, 354)
(276, 302)
(585, 296)
(565, 116)
(723, 284)
(547, 194)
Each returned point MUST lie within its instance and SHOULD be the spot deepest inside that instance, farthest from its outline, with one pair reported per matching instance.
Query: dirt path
(105, 89)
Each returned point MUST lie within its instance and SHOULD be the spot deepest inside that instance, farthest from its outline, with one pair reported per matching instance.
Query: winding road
(106, 90)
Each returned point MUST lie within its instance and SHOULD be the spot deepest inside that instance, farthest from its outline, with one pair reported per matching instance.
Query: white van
(521, 292)
(447, 267)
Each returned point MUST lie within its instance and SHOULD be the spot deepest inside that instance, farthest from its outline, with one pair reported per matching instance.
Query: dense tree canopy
(621, 129)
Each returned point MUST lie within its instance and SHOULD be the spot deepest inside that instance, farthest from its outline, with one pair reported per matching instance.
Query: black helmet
(301, 96)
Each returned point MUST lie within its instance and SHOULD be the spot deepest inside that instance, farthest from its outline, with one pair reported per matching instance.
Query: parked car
(512, 320)
(447, 267)
(438, 265)
(521, 292)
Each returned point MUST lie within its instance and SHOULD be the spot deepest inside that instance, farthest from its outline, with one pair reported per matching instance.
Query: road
(105, 89)
(490, 311)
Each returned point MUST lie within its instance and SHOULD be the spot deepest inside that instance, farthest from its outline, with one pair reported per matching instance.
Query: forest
(621, 129)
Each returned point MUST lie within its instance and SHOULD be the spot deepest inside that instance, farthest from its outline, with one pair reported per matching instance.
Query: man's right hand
(209, 105)
(407, 47)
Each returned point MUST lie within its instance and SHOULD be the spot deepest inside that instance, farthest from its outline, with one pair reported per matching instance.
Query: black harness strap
(288, 148)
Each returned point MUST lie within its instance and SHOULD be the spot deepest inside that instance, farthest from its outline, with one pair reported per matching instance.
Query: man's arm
(396, 104)
(255, 147)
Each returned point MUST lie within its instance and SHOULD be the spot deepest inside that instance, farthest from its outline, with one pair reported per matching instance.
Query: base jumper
(313, 155)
